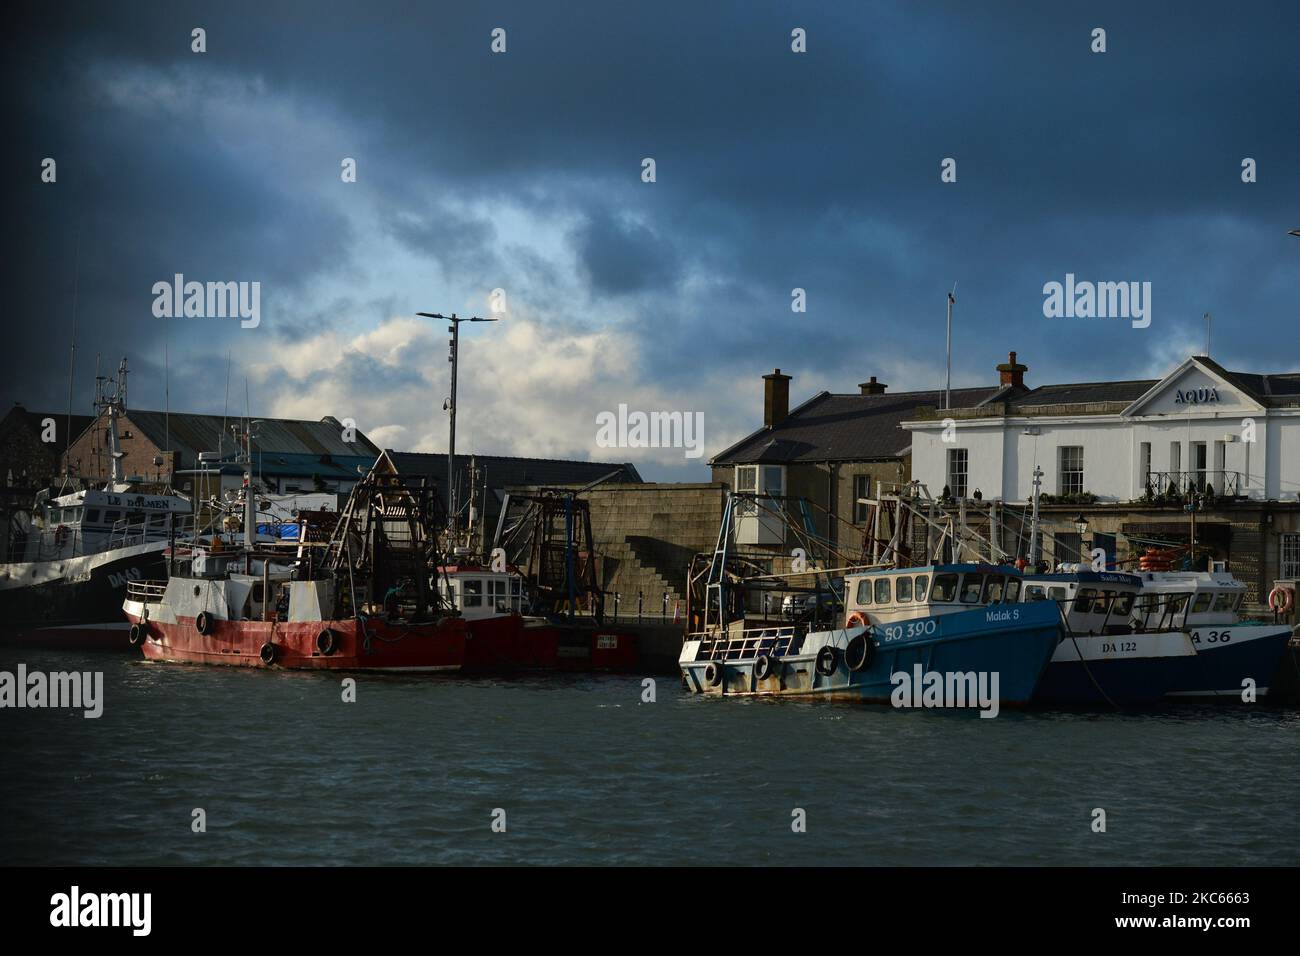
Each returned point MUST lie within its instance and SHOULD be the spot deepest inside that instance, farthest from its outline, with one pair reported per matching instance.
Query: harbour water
(588, 773)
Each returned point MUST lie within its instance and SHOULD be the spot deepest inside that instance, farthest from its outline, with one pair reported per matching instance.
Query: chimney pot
(1012, 372)
(776, 399)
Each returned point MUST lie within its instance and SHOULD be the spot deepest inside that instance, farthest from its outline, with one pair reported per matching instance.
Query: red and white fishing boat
(359, 600)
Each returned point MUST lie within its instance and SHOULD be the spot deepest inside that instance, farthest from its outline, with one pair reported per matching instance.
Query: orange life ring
(857, 619)
(1280, 599)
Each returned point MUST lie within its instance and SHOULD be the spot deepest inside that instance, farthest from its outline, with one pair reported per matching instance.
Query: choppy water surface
(587, 773)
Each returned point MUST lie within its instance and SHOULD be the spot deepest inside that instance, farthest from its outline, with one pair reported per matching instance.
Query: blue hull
(1011, 643)
(1219, 667)
(1135, 681)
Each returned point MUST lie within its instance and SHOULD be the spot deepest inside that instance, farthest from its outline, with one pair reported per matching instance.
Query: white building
(1201, 427)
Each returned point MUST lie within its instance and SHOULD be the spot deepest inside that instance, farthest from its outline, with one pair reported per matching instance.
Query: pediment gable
(1194, 388)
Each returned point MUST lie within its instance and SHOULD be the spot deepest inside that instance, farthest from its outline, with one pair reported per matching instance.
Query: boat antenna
(167, 395)
(225, 408)
(72, 358)
(947, 387)
(1207, 335)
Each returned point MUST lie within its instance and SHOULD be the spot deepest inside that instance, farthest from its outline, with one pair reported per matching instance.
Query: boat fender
(827, 661)
(203, 623)
(856, 619)
(1281, 599)
(860, 653)
(325, 642)
(137, 635)
(713, 673)
(268, 653)
(763, 667)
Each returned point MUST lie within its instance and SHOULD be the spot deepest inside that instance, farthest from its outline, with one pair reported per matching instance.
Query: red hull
(436, 646)
(511, 643)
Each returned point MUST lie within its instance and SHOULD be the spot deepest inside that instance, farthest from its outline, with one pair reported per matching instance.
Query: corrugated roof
(187, 434)
(832, 427)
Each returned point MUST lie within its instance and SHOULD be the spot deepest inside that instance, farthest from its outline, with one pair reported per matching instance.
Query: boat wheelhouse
(886, 596)
(1093, 602)
(95, 520)
(1187, 599)
(479, 592)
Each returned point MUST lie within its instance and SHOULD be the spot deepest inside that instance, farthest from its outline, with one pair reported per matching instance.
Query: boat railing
(1164, 606)
(66, 541)
(147, 592)
(128, 532)
(744, 644)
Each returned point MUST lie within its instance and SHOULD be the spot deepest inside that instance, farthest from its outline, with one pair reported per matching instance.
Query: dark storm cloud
(621, 256)
(775, 171)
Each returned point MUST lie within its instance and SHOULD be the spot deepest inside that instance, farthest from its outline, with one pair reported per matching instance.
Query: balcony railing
(1223, 483)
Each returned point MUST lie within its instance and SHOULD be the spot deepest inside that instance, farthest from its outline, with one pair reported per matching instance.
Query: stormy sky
(522, 171)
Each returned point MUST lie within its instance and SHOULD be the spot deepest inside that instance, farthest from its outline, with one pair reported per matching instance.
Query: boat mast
(1033, 519)
(72, 362)
(114, 403)
(947, 386)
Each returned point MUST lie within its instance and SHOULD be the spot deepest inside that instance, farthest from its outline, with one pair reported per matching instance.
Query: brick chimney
(1012, 372)
(776, 399)
(872, 387)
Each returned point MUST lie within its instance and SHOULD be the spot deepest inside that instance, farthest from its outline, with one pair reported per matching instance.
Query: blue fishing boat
(1102, 659)
(946, 635)
(1233, 655)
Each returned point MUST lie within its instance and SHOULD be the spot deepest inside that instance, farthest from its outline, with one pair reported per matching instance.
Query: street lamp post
(453, 358)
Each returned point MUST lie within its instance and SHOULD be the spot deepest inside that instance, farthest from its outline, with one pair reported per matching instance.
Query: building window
(747, 484)
(1175, 458)
(773, 480)
(1071, 469)
(1290, 556)
(958, 463)
(1199, 464)
(861, 489)
(1144, 465)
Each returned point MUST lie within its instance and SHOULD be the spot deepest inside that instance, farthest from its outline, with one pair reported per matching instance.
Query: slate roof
(831, 427)
(1278, 389)
(1085, 393)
